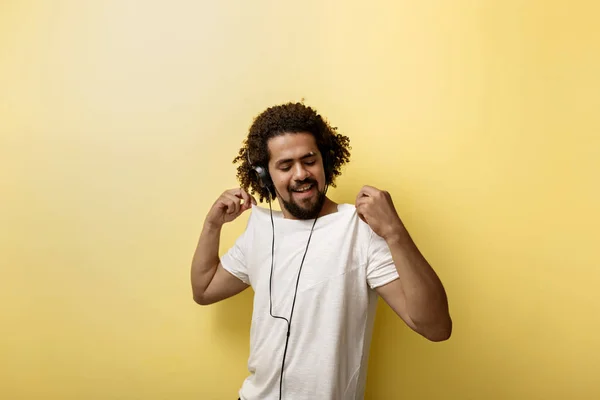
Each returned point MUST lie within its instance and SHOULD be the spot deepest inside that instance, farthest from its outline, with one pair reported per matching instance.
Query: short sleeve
(380, 265)
(235, 260)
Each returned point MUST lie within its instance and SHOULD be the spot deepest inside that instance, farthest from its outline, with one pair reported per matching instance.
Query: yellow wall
(119, 120)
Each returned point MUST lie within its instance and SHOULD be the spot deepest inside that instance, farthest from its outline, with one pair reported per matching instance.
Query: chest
(299, 261)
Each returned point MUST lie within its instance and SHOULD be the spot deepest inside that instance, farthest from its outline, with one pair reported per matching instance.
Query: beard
(310, 211)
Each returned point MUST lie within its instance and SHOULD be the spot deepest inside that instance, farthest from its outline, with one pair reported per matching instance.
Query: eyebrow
(287, 160)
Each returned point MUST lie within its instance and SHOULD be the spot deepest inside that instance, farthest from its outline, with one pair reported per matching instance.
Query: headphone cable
(289, 322)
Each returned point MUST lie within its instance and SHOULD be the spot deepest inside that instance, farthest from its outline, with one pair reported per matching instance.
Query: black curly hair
(289, 118)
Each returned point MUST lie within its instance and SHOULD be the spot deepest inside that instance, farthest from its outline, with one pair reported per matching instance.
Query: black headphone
(264, 178)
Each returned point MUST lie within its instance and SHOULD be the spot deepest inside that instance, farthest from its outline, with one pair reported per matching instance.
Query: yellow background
(119, 121)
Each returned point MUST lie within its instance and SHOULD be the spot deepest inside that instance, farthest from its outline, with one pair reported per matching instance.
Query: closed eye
(284, 165)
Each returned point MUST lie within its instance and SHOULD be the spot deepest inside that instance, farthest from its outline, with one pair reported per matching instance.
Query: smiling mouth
(303, 188)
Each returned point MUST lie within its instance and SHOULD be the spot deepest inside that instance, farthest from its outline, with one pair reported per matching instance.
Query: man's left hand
(376, 208)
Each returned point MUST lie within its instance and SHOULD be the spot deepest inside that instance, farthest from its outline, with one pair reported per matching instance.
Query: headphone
(264, 178)
(266, 182)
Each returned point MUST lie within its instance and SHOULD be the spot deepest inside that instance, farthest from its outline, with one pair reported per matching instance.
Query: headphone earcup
(265, 179)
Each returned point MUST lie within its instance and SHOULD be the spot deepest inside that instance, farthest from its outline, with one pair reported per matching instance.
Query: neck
(329, 207)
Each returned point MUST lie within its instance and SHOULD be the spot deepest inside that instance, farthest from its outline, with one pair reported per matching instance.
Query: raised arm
(418, 297)
(210, 281)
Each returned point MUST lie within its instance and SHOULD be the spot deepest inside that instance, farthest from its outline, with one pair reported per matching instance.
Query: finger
(226, 204)
(362, 207)
(246, 199)
(237, 192)
(360, 211)
(251, 199)
(363, 201)
(235, 202)
(238, 204)
(366, 191)
(369, 190)
(361, 194)
(361, 215)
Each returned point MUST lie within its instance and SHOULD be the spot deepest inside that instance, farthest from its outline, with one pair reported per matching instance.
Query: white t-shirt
(333, 317)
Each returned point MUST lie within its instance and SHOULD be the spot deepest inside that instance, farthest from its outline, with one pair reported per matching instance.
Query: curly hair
(289, 118)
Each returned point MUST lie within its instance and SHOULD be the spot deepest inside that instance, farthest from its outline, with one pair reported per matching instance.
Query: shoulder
(350, 210)
(260, 214)
(249, 224)
(260, 219)
(353, 225)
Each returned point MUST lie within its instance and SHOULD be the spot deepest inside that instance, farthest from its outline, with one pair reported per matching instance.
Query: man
(316, 267)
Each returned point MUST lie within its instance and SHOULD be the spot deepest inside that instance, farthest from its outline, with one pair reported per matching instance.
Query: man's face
(296, 168)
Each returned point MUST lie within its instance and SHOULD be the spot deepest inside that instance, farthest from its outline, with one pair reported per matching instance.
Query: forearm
(206, 259)
(426, 300)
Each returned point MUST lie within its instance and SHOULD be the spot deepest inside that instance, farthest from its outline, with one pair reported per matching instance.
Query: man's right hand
(229, 206)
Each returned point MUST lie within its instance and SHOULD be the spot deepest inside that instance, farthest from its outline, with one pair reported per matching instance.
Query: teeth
(303, 188)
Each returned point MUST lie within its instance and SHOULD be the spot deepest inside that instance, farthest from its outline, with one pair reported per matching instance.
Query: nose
(300, 173)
